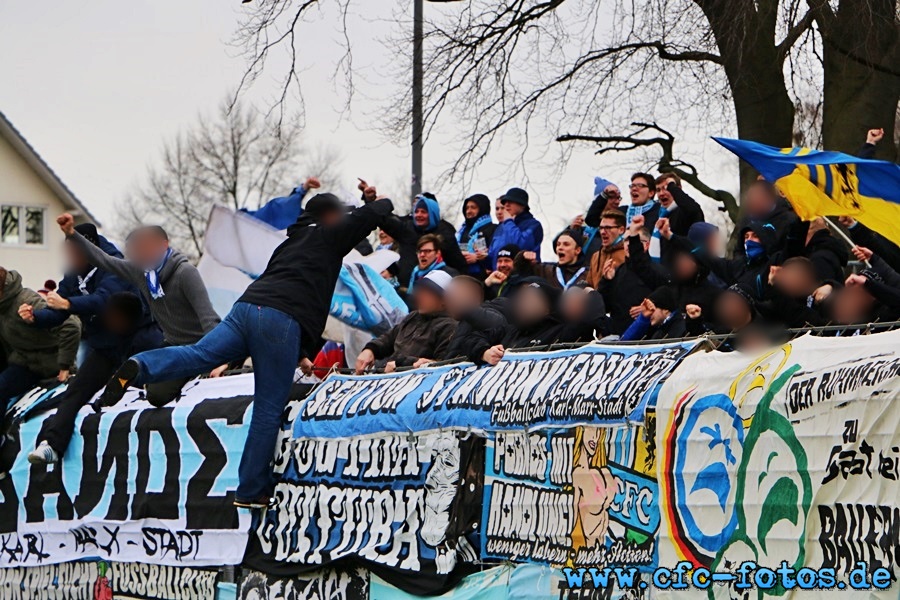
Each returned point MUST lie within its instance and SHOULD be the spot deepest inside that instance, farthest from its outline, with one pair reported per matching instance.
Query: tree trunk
(745, 36)
(861, 75)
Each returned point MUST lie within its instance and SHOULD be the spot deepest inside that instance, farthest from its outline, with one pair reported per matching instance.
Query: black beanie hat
(664, 298)
(539, 283)
(321, 204)
(89, 232)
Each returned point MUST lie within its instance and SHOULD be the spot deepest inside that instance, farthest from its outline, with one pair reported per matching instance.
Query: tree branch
(666, 163)
(794, 34)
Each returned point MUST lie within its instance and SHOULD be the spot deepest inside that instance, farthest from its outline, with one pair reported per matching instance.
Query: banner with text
(791, 455)
(582, 497)
(594, 384)
(400, 502)
(137, 483)
(102, 580)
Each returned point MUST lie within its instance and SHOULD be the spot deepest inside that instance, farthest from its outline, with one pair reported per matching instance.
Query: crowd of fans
(646, 268)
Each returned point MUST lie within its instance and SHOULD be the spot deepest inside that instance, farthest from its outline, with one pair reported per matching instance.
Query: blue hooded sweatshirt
(88, 303)
(434, 213)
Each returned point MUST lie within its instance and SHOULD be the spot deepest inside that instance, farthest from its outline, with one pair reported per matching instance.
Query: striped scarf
(655, 250)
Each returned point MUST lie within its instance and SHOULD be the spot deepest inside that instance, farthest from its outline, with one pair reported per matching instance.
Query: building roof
(43, 170)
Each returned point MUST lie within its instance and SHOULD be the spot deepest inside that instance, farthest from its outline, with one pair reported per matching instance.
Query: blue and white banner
(136, 484)
(591, 385)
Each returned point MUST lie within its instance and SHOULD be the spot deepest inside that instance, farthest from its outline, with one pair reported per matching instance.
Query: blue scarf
(478, 224)
(152, 277)
(420, 273)
(567, 284)
(655, 250)
(753, 250)
(634, 211)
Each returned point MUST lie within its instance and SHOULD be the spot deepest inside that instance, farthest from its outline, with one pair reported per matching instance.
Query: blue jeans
(272, 339)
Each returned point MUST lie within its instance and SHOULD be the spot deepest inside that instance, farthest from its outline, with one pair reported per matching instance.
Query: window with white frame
(21, 225)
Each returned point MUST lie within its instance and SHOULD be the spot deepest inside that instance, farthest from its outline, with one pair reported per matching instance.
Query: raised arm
(360, 223)
(98, 257)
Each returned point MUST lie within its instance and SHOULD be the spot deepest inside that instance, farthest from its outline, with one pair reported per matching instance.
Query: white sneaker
(43, 455)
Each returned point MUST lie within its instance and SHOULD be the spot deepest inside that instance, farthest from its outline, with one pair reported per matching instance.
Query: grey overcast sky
(98, 86)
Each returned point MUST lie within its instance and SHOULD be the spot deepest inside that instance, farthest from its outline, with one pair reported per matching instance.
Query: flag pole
(833, 226)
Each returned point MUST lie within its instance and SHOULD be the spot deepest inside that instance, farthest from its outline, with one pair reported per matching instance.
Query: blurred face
(384, 239)
(759, 201)
(567, 250)
(732, 311)
(471, 210)
(663, 195)
(684, 267)
(574, 304)
(513, 208)
(461, 297)
(505, 265)
(331, 218)
(613, 196)
(851, 304)
(530, 306)
(715, 245)
(659, 315)
(75, 259)
(499, 211)
(427, 301)
(116, 323)
(640, 191)
(420, 217)
(610, 232)
(145, 249)
(795, 281)
(426, 254)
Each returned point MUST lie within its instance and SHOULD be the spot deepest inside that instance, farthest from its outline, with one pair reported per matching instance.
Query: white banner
(786, 457)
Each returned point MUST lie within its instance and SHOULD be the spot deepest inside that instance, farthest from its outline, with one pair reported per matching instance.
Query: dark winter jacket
(624, 290)
(550, 330)
(89, 304)
(300, 277)
(575, 274)
(697, 290)
(877, 243)
(782, 218)
(490, 315)
(416, 336)
(685, 213)
(184, 313)
(407, 234)
(484, 233)
(828, 254)
(44, 352)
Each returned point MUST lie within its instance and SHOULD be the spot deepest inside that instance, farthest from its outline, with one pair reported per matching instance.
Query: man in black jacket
(675, 205)
(764, 206)
(278, 320)
(423, 334)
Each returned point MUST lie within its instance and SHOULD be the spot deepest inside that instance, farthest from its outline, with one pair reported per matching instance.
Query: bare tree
(238, 158)
(667, 162)
(548, 67)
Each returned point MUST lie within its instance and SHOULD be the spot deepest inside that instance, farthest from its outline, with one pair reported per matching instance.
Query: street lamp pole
(418, 125)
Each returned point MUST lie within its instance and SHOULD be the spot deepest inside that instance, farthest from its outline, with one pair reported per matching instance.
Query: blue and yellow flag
(819, 183)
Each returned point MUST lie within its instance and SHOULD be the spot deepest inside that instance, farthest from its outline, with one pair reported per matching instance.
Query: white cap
(438, 279)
